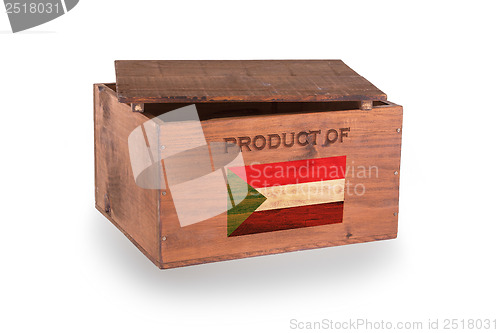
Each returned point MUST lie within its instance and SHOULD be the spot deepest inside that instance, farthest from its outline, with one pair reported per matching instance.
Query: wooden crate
(285, 126)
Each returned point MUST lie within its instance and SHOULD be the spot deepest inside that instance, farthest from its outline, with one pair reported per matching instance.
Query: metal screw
(163, 193)
(395, 213)
(396, 173)
(398, 130)
(162, 147)
(164, 238)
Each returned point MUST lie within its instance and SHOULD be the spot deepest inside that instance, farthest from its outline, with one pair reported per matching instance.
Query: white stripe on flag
(303, 194)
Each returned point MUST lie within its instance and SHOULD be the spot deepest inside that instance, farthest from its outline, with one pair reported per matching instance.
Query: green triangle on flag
(237, 214)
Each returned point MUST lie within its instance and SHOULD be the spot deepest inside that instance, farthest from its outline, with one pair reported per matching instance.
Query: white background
(65, 268)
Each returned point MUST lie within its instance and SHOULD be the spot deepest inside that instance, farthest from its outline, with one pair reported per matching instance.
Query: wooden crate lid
(200, 81)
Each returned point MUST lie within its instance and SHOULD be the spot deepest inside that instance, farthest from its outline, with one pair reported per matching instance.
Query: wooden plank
(373, 145)
(132, 209)
(205, 81)
(254, 253)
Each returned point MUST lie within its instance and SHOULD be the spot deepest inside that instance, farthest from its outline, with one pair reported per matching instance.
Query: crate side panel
(132, 209)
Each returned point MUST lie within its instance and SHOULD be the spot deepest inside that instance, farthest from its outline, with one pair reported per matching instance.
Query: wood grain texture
(373, 145)
(256, 90)
(132, 209)
(291, 248)
(204, 81)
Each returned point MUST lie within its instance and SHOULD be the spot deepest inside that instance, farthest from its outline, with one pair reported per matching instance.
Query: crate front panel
(370, 141)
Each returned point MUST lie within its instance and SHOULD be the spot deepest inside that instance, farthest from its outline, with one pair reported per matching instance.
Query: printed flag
(285, 195)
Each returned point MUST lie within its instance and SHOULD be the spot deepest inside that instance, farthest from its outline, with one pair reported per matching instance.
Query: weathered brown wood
(373, 141)
(132, 209)
(268, 99)
(166, 81)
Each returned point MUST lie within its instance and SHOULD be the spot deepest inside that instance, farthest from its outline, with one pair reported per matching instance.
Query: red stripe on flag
(292, 172)
(291, 218)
